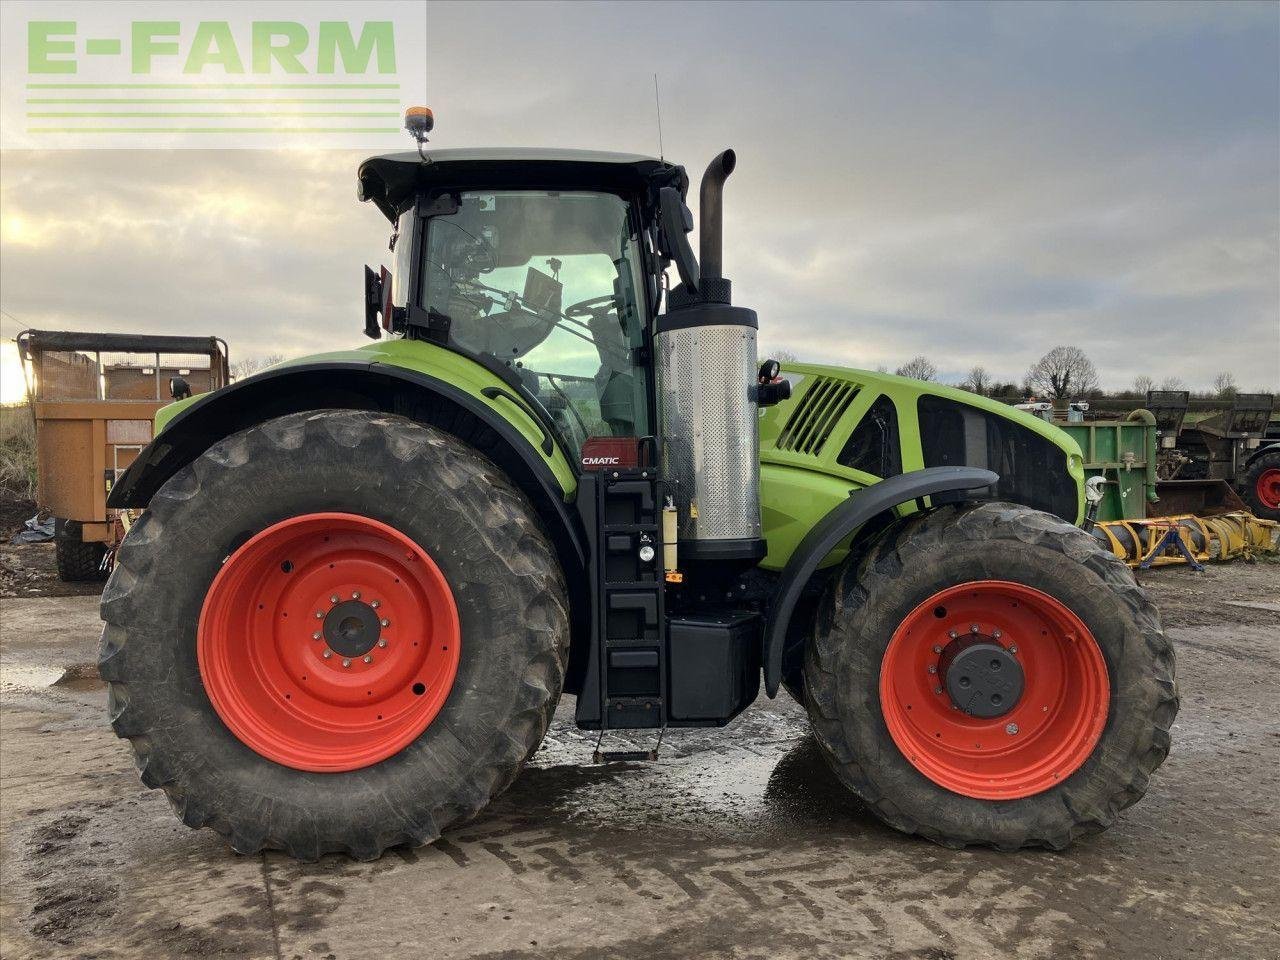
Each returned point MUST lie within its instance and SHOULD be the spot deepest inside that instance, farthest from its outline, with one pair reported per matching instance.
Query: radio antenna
(657, 103)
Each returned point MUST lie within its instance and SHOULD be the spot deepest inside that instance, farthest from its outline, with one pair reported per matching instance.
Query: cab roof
(393, 180)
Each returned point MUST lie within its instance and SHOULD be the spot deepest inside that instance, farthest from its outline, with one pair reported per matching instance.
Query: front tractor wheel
(334, 632)
(987, 675)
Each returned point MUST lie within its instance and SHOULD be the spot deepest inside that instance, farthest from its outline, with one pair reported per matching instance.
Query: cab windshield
(545, 283)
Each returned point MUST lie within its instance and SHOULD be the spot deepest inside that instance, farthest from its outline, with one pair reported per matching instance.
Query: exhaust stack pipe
(708, 391)
(711, 214)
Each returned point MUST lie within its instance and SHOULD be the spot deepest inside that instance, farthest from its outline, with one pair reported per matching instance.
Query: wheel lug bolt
(334, 598)
(952, 634)
(328, 654)
(1013, 649)
(936, 648)
(937, 689)
(368, 659)
(973, 628)
(932, 668)
(319, 614)
(376, 604)
(356, 595)
(1011, 729)
(346, 662)
(385, 623)
(997, 634)
(382, 643)
(316, 635)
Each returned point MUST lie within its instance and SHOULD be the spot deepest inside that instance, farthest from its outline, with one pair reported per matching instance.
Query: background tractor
(363, 579)
(1238, 446)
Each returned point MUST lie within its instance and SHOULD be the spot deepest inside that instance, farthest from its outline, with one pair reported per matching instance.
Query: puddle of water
(27, 676)
(41, 676)
(762, 776)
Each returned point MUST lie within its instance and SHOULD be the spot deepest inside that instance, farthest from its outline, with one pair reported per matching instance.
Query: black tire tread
(79, 561)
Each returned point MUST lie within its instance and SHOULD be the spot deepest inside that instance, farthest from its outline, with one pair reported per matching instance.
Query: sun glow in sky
(12, 387)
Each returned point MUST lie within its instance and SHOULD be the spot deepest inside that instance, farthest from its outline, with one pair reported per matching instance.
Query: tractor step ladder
(625, 687)
(623, 756)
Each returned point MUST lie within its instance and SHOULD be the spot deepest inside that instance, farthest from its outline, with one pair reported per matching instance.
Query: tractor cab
(540, 265)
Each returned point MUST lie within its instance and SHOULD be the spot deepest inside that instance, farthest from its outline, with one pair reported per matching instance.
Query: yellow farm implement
(1189, 539)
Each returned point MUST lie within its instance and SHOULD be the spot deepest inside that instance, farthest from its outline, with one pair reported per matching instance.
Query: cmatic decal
(600, 452)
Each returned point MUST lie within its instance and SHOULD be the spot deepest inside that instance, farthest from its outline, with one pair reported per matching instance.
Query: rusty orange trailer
(94, 396)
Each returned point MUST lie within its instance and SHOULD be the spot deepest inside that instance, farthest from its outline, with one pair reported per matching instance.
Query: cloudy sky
(975, 183)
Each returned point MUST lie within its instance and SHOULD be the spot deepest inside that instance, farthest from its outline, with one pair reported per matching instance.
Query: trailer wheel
(987, 675)
(1262, 485)
(79, 561)
(336, 631)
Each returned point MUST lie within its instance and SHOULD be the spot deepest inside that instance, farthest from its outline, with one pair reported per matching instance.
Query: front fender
(836, 527)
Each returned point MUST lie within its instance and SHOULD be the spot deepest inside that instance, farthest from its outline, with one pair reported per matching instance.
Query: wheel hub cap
(983, 678)
(352, 629)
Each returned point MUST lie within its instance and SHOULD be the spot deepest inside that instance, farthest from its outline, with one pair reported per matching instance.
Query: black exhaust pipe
(711, 214)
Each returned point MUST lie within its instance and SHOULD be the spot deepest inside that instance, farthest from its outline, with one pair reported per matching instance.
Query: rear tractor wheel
(987, 675)
(334, 632)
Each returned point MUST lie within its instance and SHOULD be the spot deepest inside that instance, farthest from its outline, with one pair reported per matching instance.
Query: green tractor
(362, 580)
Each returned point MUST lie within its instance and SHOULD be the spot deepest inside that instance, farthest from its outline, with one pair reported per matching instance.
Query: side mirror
(179, 389)
(676, 221)
(378, 315)
(372, 303)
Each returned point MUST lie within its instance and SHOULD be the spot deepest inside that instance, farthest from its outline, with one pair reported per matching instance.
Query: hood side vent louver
(815, 415)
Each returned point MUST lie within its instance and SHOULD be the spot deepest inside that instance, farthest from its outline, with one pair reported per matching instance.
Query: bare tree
(979, 380)
(918, 368)
(782, 355)
(1143, 384)
(1063, 373)
(1224, 385)
(248, 366)
(1173, 383)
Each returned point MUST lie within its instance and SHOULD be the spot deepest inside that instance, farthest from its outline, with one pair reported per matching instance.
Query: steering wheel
(478, 257)
(589, 308)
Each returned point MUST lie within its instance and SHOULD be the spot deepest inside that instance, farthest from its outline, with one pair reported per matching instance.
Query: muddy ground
(735, 844)
(28, 570)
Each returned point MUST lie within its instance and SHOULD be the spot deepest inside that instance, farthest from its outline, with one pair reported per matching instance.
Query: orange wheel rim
(1044, 690)
(1268, 488)
(328, 642)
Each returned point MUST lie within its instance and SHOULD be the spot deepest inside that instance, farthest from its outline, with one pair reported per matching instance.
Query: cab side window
(874, 446)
